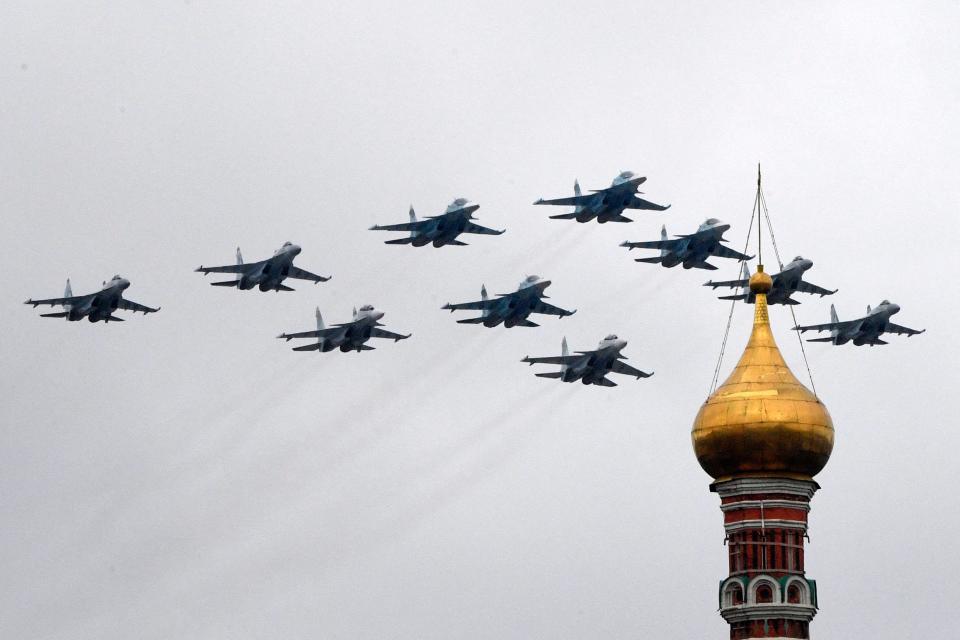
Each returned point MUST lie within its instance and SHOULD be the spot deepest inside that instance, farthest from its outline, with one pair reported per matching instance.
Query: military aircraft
(785, 284)
(693, 250)
(590, 367)
(94, 306)
(865, 330)
(267, 274)
(440, 230)
(348, 336)
(511, 309)
(606, 205)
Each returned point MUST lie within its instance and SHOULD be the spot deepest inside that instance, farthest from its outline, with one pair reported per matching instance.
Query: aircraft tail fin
(354, 313)
(401, 240)
(738, 296)
(112, 319)
(564, 351)
(320, 325)
(309, 347)
(564, 216)
(605, 382)
(471, 320)
(653, 260)
(869, 310)
(820, 339)
(484, 297)
(551, 374)
(576, 188)
(58, 314)
(663, 236)
(226, 283)
(526, 323)
(68, 290)
(239, 256)
(833, 314)
(457, 242)
(365, 347)
(283, 287)
(413, 218)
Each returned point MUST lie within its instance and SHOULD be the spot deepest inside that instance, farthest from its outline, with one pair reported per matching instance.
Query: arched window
(764, 594)
(733, 595)
(793, 594)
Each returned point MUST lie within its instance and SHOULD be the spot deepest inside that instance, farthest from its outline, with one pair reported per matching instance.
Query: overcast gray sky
(185, 475)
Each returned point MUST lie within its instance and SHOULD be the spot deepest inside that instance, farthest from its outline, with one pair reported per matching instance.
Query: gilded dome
(761, 421)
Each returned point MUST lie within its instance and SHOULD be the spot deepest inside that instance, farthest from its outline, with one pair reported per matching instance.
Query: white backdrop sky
(186, 475)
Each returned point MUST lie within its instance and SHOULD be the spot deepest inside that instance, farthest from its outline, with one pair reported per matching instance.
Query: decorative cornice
(766, 504)
(740, 486)
(744, 612)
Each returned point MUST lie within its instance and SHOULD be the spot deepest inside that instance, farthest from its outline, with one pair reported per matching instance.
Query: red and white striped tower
(763, 436)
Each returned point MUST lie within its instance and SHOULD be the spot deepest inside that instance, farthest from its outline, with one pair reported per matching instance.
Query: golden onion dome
(761, 421)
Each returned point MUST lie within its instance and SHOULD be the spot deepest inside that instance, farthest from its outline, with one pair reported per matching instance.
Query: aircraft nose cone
(125, 283)
(894, 308)
(296, 249)
(621, 343)
(378, 314)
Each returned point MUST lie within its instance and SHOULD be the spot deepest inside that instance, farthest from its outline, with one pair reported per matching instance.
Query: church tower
(762, 436)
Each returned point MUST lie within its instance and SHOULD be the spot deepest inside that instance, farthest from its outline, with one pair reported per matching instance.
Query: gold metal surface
(761, 420)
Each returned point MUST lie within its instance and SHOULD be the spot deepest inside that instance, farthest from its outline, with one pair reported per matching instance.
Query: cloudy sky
(185, 475)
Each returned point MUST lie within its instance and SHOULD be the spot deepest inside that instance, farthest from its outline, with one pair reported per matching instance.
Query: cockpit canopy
(287, 244)
(798, 259)
(612, 336)
(366, 307)
(459, 202)
(885, 302)
(711, 222)
(116, 277)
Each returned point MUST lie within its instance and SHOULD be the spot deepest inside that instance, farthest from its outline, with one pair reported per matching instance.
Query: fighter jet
(693, 250)
(440, 230)
(865, 330)
(590, 367)
(267, 274)
(511, 309)
(785, 284)
(606, 205)
(348, 336)
(94, 306)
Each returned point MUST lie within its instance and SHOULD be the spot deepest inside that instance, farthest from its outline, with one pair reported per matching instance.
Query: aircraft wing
(58, 301)
(229, 268)
(316, 333)
(723, 251)
(403, 226)
(130, 305)
(478, 305)
(475, 228)
(669, 245)
(829, 326)
(640, 203)
(303, 274)
(727, 283)
(569, 359)
(906, 331)
(571, 201)
(620, 366)
(544, 307)
(806, 287)
(376, 332)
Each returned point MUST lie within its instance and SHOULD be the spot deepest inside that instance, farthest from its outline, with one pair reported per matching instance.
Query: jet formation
(690, 250)
(865, 330)
(511, 309)
(605, 205)
(440, 230)
(590, 367)
(347, 336)
(785, 284)
(693, 251)
(95, 307)
(267, 274)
